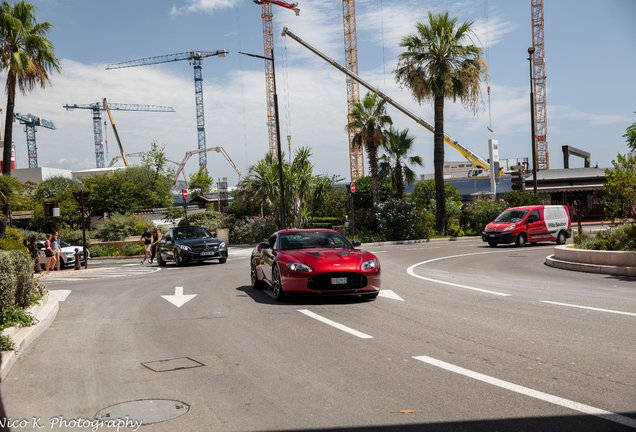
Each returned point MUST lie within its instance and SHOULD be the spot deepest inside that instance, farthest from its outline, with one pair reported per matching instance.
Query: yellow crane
(121, 149)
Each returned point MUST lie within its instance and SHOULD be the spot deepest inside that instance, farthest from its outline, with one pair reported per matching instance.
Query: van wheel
(561, 238)
(521, 240)
(492, 244)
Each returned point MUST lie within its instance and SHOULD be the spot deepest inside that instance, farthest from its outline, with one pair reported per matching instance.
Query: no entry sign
(353, 187)
(185, 193)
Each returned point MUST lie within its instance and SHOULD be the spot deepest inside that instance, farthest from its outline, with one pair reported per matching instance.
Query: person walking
(55, 247)
(35, 254)
(50, 258)
(147, 239)
(156, 236)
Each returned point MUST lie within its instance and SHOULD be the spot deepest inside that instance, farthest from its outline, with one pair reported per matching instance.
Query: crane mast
(270, 84)
(30, 122)
(356, 160)
(538, 72)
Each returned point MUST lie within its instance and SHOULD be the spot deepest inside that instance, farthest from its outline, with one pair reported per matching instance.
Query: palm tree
(395, 163)
(437, 66)
(369, 118)
(27, 57)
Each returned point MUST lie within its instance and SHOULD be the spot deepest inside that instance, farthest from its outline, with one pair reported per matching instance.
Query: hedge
(17, 285)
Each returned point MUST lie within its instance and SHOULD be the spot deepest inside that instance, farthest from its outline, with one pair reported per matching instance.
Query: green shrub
(520, 198)
(480, 212)
(27, 234)
(76, 238)
(210, 220)
(109, 250)
(13, 241)
(250, 230)
(396, 219)
(95, 251)
(621, 238)
(132, 249)
(424, 224)
(17, 285)
(116, 228)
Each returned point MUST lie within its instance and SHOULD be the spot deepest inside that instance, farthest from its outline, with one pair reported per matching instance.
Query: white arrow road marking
(586, 409)
(590, 308)
(61, 294)
(412, 273)
(179, 299)
(390, 294)
(335, 324)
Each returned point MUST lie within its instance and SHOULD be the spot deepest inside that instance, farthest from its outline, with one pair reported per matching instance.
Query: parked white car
(67, 256)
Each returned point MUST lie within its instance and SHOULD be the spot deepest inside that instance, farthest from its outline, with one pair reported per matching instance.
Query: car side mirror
(357, 243)
(264, 245)
(214, 235)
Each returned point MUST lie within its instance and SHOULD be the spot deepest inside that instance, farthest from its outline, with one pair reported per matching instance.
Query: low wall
(593, 261)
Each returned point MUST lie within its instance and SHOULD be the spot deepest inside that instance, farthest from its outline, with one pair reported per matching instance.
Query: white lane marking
(586, 409)
(335, 324)
(128, 265)
(66, 279)
(590, 308)
(61, 294)
(389, 294)
(412, 273)
(179, 299)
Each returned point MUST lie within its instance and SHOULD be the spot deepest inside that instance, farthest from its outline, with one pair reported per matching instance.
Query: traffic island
(616, 263)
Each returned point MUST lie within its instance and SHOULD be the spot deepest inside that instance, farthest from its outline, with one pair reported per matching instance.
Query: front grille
(322, 282)
(211, 248)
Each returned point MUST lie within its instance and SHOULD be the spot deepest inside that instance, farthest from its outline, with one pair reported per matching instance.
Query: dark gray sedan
(190, 244)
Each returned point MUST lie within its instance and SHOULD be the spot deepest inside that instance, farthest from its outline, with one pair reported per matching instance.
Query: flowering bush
(481, 212)
(396, 219)
(622, 238)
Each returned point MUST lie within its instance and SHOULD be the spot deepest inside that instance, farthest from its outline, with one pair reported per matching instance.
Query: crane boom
(121, 149)
(30, 122)
(476, 160)
(190, 55)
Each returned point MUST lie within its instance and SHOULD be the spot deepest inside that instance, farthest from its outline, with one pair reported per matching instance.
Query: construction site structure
(30, 122)
(268, 51)
(356, 159)
(195, 58)
(97, 109)
(538, 74)
(476, 160)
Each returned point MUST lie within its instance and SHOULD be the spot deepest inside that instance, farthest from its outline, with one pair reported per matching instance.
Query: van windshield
(512, 216)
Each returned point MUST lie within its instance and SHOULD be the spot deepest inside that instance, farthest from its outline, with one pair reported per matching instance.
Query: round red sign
(353, 187)
(185, 193)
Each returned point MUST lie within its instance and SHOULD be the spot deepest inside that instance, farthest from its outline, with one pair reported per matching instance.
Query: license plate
(207, 253)
(338, 281)
(492, 235)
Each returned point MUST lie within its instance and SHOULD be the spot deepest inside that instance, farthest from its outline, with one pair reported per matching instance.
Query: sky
(590, 51)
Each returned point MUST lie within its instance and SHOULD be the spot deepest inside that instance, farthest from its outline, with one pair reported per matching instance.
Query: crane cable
(242, 81)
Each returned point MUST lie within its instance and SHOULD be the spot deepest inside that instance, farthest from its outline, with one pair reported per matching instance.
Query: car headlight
(222, 245)
(368, 265)
(185, 248)
(510, 228)
(296, 266)
(69, 254)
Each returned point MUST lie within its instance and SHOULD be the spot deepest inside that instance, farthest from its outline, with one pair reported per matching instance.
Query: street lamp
(534, 148)
(280, 162)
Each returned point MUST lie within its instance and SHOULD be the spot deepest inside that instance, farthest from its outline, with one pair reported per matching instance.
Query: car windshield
(512, 216)
(318, 239)
(64, 244)
(192, 233)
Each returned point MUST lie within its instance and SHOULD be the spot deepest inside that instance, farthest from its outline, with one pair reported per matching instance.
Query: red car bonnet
(327, 259)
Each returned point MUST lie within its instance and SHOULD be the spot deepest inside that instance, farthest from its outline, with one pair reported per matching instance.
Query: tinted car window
(534, 217)
(512, 216)
(307, 240)
(192, 233)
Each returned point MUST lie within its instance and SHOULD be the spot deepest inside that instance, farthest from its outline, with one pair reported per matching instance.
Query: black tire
(521, 240)
(561, 238)
(222, 260)
(277, 285)
(62, 265)
(492, 244)
(160, 261)
(256, 284)
(177, 260)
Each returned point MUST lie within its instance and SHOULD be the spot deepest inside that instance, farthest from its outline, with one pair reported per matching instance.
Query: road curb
(45, 313)
(67, 273)
(407, 242)
(590, 268)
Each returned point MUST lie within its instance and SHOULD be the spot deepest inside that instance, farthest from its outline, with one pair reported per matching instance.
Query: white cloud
(206, 6)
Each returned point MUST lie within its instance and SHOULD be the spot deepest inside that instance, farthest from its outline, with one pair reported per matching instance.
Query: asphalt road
(464, 337)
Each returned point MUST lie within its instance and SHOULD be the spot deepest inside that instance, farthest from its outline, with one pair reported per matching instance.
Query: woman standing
(156, 236)
(50, 257)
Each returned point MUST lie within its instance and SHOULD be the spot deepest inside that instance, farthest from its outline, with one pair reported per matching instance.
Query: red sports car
(314, 262)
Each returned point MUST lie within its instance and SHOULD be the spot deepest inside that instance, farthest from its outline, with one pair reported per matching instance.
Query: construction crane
(195, 58)
(268, 42)
(189, 154)
(538, 66)
(476, 160)
(112, 123)
(97, 109)
(30, 122)
(356, 159)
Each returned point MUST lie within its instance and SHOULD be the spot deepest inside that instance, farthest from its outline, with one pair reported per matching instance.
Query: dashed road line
(590, 308)
(335, 324)
(586, 409)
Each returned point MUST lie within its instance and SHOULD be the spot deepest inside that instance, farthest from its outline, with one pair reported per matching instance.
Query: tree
(10, 193)
(363, 196)
(424, 194)
(437, 66)
(630, 136)
(369, 118)
(620, 189)
(395, 163)
(200, 182)
(27, 57)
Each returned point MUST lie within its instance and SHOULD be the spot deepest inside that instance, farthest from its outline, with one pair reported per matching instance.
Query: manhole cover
(172, 365)
(147, 411)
